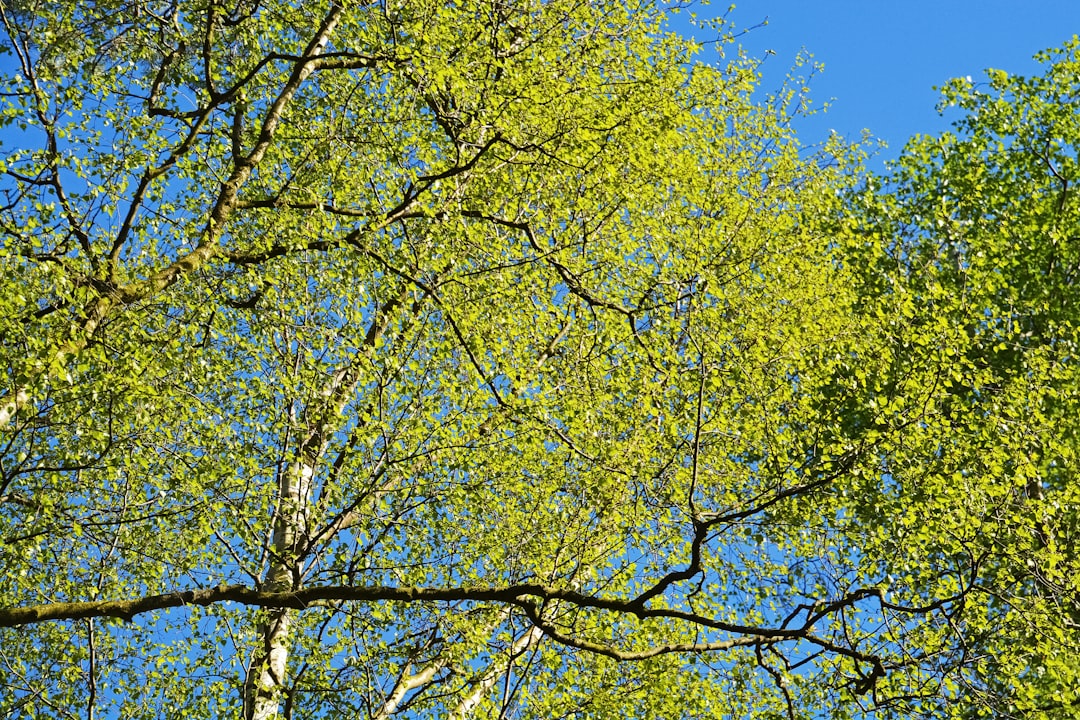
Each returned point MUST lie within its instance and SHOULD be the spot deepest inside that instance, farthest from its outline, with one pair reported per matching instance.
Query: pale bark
(12, 404)
(267, 671)
(407, 683)
(292, 529)
(468, 704)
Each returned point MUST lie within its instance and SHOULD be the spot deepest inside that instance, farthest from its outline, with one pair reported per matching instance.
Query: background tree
(975, 236)
(376, 359)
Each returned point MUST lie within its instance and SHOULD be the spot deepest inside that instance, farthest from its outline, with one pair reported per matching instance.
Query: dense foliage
(509, 360)
(973, 240)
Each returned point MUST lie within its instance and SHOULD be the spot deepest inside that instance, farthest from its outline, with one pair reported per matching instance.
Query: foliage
(975, 237)
(412, 359)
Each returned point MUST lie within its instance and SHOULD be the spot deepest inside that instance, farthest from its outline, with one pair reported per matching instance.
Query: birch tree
(410, 359)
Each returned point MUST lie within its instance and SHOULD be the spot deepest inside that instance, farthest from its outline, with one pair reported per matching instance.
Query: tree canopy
(981, 228)
(410, 359)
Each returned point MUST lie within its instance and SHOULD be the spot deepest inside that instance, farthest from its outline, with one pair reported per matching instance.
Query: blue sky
(883, 57)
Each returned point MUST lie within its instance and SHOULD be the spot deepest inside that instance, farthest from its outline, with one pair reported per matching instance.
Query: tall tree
(410, 359)
(973, 238)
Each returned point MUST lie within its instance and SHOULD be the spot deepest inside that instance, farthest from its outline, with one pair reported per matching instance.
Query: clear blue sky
(883, 57)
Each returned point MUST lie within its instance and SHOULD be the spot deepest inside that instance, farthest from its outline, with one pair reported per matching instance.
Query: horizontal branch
(523, 595)
(531, 598)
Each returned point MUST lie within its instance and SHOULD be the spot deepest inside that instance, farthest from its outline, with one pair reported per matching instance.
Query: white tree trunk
(267, 671)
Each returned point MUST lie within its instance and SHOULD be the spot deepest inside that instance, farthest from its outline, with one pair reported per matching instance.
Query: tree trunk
(266, 673)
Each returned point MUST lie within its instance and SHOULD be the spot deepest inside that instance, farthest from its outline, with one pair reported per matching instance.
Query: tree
(980, 226)
(409, 359)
